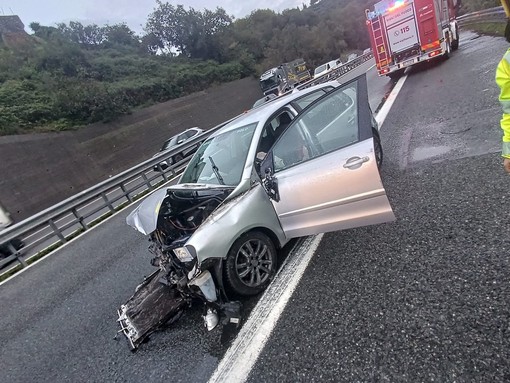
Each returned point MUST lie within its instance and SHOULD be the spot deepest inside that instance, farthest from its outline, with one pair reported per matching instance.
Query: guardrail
(75, 215)
(495, 15)
(64, 221)
(337, 72)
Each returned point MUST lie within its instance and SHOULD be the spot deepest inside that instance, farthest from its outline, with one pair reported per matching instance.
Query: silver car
(303, 164)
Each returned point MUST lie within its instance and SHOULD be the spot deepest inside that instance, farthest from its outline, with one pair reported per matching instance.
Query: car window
(221, 159)
(181, 138)
(271, 131)
(169, 143)
(303, 102)
(329, 125)
(191, 133)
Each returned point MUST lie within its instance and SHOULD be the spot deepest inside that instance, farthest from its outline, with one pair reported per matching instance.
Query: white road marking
(244, 352)
(242, 355)
(383, 112)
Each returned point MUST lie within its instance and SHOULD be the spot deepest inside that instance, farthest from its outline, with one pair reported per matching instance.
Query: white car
(351, 57)
(327, 67)
(175, 141)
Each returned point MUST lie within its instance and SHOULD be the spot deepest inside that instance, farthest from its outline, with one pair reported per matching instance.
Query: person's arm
(503, 81)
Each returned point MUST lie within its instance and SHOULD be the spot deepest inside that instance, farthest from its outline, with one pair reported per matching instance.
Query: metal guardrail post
(57, 231)
(126, 194)
(80, 219)
(107, 201)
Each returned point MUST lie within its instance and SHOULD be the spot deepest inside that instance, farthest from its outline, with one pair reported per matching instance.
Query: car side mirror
(269, 182)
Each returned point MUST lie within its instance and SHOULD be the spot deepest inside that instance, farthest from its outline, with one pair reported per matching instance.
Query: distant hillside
(12, 32)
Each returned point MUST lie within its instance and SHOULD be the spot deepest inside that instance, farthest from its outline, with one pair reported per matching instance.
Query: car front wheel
(251, 264)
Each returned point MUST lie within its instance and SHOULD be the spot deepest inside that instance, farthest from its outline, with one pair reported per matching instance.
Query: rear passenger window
(309, 98)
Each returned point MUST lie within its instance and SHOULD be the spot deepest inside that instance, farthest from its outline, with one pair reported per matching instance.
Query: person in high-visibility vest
(503, 81)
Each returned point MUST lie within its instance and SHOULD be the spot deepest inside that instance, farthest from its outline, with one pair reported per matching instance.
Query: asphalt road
(424, 298)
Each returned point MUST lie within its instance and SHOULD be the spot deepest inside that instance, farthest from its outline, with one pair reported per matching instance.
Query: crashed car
(303, 164)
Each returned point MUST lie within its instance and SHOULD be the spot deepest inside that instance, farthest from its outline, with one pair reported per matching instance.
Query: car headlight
(183, 254)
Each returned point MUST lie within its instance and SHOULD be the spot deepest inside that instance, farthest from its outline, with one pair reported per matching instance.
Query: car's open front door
(322, 172)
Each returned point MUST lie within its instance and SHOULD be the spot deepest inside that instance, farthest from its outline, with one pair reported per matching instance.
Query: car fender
(249, 210)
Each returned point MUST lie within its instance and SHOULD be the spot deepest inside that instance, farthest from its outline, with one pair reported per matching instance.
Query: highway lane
(425, 298)
(59, 317)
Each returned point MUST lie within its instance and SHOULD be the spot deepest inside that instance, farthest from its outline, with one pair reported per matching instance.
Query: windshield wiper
(216, 171)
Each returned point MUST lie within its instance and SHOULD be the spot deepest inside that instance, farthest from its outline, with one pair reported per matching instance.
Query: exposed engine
(163, 296)
(183, 211)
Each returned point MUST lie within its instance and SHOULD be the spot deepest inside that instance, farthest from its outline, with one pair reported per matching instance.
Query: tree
(192, 33)
(121, 34)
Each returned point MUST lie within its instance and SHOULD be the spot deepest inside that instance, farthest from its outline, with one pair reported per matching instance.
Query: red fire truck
(406, 32)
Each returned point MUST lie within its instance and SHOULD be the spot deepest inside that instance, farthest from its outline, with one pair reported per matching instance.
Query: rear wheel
(251, 264)
(446, 55)
(455, 43)
(178, 158)
(396, 74)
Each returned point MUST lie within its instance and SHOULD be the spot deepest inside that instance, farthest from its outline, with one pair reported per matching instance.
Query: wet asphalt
(426, 298)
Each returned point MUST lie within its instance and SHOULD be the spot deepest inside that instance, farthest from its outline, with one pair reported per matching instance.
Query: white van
(327, 67)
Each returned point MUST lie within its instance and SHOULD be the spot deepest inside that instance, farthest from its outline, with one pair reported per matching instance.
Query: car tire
(378, 151)
(250, 264)
(446, 55)
(397, 74)
(455, 43)
(178, 158)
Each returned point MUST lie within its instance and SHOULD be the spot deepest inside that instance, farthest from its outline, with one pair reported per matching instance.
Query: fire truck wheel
(455, 43)
(396, 74)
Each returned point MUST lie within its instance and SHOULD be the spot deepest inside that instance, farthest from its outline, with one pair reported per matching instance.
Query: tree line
(72, 74)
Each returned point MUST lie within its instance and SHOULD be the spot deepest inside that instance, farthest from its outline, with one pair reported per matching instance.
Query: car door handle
(355, 162)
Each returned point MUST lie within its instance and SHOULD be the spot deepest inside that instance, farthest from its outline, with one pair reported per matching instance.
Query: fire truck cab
(406, 32)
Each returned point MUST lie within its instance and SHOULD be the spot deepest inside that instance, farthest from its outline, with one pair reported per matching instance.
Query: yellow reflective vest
(503, 81)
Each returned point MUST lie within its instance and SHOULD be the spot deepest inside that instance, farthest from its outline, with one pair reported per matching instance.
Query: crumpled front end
(170, 216)
(152, 305)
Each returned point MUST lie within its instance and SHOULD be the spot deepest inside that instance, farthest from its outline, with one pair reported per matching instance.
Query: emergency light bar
(383, 7)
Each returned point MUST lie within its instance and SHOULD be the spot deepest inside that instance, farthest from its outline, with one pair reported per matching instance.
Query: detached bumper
(152, 305)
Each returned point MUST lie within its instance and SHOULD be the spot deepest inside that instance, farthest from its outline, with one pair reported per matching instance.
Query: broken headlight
(183, 254)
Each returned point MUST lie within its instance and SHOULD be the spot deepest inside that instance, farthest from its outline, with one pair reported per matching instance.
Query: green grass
(491, 29)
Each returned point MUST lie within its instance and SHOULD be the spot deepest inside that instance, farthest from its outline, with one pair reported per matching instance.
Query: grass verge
(491, 29)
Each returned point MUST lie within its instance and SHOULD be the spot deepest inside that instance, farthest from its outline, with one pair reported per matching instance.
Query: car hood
(178, 210)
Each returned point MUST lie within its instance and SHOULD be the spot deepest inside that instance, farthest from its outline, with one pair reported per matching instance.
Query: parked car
(367, 51)
(8, 248)
(327, 67)
(175, 141)
(351, 57)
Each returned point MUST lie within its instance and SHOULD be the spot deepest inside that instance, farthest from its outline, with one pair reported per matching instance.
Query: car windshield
(269, 83)
(320, 69)
(169, 143)
(220, 160)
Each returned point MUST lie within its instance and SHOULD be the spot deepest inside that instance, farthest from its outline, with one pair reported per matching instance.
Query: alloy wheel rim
(253, 263)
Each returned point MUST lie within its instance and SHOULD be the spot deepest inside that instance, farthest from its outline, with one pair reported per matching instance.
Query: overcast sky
(133, 12)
